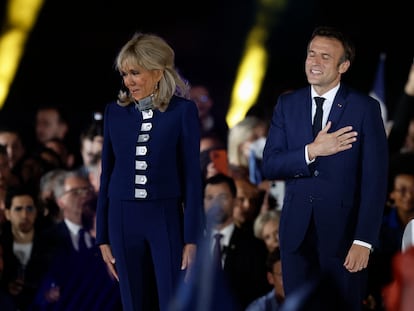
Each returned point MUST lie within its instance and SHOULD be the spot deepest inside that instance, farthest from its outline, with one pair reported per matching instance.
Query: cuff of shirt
(307, 156)
(367, 245)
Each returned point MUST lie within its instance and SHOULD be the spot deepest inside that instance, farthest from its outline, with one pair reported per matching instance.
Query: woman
(149, 214)
(266, 228)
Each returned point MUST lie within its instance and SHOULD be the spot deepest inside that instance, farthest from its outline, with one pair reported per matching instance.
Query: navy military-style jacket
(152, 155)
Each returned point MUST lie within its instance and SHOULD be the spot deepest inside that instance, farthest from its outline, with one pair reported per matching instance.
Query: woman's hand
(109, 259)
(189, 254)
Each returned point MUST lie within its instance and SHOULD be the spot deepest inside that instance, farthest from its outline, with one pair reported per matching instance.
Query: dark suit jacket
(34, 271)
(59, 238)
(245, 266)
(83, 279)
(173, 163)
(345, 192)
(150, 158)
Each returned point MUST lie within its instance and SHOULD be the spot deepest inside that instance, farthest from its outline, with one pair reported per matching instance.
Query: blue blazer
(344, 192)
(172, 160)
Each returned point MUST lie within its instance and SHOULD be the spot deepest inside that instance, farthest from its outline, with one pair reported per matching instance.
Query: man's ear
(7, 214)
(343, 67)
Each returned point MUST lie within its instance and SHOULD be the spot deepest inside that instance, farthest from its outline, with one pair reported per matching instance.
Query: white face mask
(257, 147)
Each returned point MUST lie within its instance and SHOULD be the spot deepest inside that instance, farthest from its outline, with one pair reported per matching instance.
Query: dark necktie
(81, 241)
(217, 249)
(317, 120)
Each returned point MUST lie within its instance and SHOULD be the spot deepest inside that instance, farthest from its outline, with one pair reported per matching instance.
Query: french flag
(378, 89)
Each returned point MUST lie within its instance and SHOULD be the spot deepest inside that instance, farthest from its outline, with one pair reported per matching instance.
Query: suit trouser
(319, 279)
(146, 240)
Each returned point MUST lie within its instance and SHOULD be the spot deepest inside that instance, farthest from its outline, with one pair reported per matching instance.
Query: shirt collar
(73, 228)
(226, 232)
(329, 96)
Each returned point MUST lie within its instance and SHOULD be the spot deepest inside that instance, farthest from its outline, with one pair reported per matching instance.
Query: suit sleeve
(279, 160)
(374, 175)
(108, 159)
(192, 183)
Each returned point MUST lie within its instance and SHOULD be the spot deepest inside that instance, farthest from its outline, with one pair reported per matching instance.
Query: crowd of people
(129, 215)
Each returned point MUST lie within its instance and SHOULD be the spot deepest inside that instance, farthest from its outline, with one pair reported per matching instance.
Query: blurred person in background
(266, 228)
(249, 201)
(25, 250)
(13, 141)
(273, 300)
(91, 141)
(211, 122)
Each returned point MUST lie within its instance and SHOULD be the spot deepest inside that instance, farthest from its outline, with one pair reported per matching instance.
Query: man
(211, 122)
(249, 199)
(336, 179)
(13, 142)
(71, 192)
(243, 256)
(273, 300)
(25, 251)
(91, 142)
(77, 277)
(50, 123)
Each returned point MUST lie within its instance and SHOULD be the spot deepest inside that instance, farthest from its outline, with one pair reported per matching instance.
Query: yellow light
(247, 86)
(252, 69)
(20, 18)
(9, 52)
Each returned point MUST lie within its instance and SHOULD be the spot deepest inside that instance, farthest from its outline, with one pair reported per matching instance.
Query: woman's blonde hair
(237, 135)
(262, 219)
(151, 52)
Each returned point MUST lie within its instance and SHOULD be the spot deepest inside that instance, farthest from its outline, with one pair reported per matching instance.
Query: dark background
(70, 54)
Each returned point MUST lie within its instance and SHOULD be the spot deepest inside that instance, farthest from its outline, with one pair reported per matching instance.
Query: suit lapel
(231, 248)
(338, 108)
(306, 114)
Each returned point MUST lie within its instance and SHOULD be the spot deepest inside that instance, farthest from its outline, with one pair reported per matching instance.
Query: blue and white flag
(378, 89)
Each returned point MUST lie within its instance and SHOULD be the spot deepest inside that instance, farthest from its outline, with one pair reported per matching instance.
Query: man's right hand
(326, 144)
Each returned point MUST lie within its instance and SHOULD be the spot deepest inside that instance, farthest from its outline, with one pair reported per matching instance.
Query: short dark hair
(330, 32)
(15, 191)
(220, 179)
(93, 129)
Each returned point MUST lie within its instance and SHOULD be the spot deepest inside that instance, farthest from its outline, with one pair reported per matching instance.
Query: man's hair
(220, 179)
(330, 32)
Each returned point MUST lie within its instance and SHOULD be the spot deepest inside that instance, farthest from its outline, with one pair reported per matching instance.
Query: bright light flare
(21, 16)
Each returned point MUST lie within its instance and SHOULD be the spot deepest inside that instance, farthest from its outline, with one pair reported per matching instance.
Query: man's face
(247, 201)
(202, 99)
(91, 150)
(49, 125)
(219, 203)
(78, 190)
(22, 214)
(14, 146)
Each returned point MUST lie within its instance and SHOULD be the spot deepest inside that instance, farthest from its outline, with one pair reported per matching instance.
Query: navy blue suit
(150, 200)
(339, 198)
(245, 266)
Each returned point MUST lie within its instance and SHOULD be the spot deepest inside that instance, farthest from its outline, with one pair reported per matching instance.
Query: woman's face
(270, 234)
(140, 82)
(403, 193)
